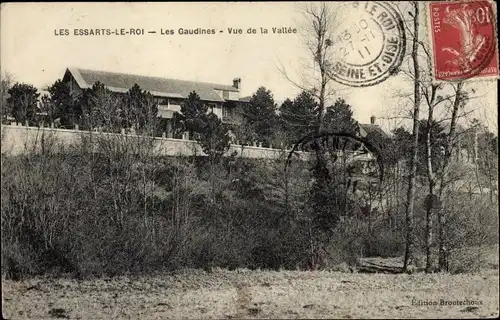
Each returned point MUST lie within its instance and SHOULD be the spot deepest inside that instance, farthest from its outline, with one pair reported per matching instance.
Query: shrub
(112, 206)
(385, 243)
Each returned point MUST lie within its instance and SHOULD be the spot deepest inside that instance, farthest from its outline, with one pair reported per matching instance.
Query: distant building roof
(161, 87)
(368, 128)
(246, 99)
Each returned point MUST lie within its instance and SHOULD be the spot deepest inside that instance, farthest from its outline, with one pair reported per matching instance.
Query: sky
(34, 51)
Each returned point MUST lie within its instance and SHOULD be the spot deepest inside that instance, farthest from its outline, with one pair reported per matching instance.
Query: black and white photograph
(249, 160)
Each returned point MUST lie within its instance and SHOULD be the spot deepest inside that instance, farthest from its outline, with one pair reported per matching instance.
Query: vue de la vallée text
(180, 31)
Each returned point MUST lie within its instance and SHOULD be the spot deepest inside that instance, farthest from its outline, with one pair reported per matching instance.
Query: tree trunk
(321, 172)
(490, 178)
(476, 161)
(414, 154)
(397, 185)
(446, 162)
(430, 178)
(428, 234)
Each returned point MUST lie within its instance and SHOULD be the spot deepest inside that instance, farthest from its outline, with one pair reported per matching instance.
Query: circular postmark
(464, 38)
(370, 44)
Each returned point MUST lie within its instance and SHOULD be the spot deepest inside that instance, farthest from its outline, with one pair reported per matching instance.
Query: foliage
(138, 109)
(214, 137)
(22, 102)
(299, 117)
(112, 206)
(48, 108)
(329, 197)
(207, 128)
(338, 118)
(243, 132)
(385, 147)
(260, 115)
(193, 111)
(193, 107)
(401, 145)
(5, 85)
(401, 139)
(478, 142)
(438, 140)
(100, 108)
(62, 105)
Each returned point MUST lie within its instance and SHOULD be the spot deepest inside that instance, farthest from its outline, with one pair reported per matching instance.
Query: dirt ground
(246, 294)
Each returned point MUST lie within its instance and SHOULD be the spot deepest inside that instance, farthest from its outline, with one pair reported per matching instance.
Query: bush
(471, 227)
(112, 206)
(385, 243)
(116, 211)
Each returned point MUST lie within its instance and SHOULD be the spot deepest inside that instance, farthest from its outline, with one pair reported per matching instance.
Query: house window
(161, 101)
(225, 94)
(227, 112)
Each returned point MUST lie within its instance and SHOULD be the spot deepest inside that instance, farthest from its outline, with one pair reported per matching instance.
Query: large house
(221, 99)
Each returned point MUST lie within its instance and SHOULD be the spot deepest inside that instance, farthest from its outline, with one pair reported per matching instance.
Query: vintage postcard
(249, 160)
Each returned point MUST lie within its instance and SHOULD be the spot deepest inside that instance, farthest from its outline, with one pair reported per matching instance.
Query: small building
(223, 100)
(366, 129)
(363, 161)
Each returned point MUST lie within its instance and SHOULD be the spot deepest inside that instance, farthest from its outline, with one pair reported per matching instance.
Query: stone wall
(17, 139)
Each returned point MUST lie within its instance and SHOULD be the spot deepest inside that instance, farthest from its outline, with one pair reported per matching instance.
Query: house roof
(161, 87)
(368, 128)
(246, 99)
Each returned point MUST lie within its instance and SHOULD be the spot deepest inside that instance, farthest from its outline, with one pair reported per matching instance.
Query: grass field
(254, 294)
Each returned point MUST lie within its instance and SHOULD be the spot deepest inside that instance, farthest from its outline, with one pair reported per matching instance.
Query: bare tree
(321, 21)
(459, 99)
(444, 103)
(414, 152)
(454, 97)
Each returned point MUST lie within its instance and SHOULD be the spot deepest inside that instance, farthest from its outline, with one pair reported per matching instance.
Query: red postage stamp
(463, 36)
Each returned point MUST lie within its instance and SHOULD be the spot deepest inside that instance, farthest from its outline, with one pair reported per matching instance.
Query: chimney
(373, 119)
(237, 83)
